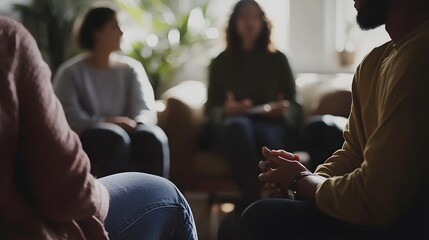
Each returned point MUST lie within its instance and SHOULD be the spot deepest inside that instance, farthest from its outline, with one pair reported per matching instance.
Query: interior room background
(318, 36)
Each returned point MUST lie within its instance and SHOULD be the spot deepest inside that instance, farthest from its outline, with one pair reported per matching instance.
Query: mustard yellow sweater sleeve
(376, 176)
(349, 157)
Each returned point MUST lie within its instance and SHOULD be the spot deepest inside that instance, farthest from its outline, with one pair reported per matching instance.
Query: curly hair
(233, 40)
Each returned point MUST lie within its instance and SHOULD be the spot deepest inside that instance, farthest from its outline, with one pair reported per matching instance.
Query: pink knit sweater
(50, 193)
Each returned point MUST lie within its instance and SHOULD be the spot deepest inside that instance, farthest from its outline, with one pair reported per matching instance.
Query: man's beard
(372, 14)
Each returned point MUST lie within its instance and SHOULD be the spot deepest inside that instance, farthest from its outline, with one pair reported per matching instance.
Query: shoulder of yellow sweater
(372, 61)
(415, 51)
(412, 64)
(376, 54)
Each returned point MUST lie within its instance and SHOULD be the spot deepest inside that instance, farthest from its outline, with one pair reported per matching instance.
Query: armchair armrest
(181, 126)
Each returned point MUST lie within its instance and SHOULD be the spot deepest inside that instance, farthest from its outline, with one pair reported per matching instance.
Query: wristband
(294, 186)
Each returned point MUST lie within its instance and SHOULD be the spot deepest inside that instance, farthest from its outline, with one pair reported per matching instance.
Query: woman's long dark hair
(233, 40)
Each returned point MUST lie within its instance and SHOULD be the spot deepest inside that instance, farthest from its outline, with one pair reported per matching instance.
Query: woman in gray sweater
(109, 101)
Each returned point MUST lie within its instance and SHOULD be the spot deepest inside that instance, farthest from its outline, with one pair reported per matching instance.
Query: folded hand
(279, 169)
(124, 122)
(233, 107)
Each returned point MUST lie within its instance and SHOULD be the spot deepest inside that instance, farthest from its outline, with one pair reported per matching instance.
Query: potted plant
(51, 22)
(164, 40)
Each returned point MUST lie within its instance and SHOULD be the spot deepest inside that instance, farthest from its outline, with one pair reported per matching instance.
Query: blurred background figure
(251, 98)
(109, 101)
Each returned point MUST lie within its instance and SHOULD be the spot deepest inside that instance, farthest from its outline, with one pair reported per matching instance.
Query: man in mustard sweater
(375, 185)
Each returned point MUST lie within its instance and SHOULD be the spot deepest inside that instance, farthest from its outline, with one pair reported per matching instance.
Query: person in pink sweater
(46, 189)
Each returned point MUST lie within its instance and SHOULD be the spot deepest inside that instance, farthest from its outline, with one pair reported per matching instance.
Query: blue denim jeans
(144, 206)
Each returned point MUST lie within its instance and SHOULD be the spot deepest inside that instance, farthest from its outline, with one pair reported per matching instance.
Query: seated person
(251, 97)
(376, 186)
(46, 189)
(109, 102)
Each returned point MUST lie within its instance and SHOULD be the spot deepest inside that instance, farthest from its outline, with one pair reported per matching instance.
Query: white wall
(308, 35)
(318, 27)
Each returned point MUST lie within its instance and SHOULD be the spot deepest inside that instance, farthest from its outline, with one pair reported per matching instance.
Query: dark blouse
(258, 76)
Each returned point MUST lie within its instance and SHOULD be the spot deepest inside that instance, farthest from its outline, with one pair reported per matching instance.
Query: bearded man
(375, 186)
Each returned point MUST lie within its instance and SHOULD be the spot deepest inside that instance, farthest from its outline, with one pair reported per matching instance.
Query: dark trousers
(321, 136)
(112, 150)
(240, 140)
(290, 219)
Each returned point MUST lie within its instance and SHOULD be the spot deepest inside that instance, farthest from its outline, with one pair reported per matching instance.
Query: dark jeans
(290, 219)
(240, 140)
(321, 136)
(112, 150)
(144, 206)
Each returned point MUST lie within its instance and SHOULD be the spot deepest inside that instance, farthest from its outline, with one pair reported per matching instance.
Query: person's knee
(106, 132)
(150, 150)
(252, 214)
(253, 219)
(150, 196)
(163, 193)
(265, 213)
(152, 133)
(161, 185)
(151, 188)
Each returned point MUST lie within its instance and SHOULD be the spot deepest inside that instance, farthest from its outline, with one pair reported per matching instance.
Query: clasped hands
(124, 122)
(279, 170)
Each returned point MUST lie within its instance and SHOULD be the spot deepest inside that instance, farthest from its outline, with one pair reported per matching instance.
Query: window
(349, 35)
(321, 29)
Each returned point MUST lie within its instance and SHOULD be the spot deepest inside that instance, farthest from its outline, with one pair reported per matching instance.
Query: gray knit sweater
(89, 95)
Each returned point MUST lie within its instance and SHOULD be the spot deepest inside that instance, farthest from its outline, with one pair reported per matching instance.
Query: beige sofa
(181, 116)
